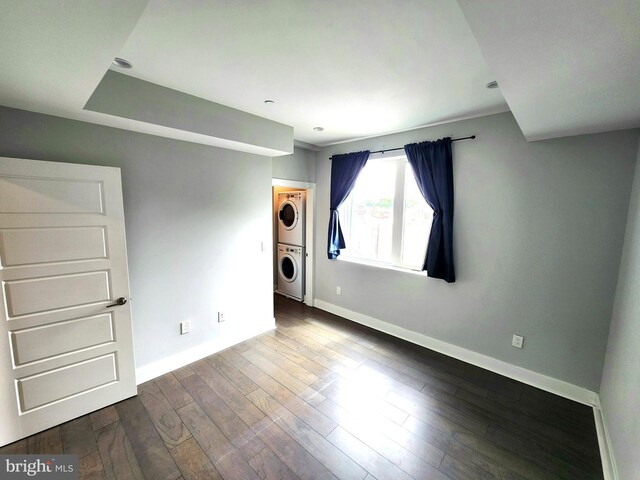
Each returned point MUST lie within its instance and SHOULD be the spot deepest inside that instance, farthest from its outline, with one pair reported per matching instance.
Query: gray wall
(620, 388)
(129, 97)
(300, 166)
(538, 234)
(195, 216)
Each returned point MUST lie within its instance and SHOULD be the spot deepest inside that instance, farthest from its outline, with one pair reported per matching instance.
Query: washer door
(288, 215)
(288, 268)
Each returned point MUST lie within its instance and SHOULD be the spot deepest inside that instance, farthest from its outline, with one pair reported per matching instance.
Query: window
(385, 219)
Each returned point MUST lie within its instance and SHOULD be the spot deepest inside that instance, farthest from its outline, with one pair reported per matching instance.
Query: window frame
(402, 168)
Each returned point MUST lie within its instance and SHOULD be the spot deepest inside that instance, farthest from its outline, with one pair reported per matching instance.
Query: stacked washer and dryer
(291, 240)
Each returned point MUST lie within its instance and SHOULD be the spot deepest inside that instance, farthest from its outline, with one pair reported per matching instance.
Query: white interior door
(64, 349)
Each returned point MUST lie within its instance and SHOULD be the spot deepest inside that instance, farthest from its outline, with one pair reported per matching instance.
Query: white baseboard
(173, 362)
(609, 468)
(544, 382)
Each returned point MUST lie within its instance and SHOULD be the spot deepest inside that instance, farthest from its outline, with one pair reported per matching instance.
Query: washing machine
(291, 218)
(291, 271)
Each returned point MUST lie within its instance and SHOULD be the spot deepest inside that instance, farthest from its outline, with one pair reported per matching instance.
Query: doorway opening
(279, 186)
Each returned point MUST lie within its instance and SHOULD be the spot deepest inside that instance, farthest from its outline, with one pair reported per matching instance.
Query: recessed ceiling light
(318, 129)
(269, 101)
(493, 84)
(122, 63)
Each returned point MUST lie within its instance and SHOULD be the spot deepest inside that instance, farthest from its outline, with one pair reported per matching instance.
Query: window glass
(370, 217)
(385, 218)
(416, 223)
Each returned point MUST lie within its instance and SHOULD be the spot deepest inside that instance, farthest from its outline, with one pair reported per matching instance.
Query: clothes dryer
(291, 271)
(291, 218)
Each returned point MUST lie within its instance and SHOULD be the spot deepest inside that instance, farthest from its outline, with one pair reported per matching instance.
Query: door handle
(119, 302)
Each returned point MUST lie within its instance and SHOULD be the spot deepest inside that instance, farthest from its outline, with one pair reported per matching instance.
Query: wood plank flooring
(323, 398)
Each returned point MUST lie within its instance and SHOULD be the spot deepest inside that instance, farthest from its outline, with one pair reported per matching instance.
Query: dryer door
(288, 268)
(288, 215)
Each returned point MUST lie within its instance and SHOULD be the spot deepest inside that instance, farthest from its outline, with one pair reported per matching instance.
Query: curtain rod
(471, 137)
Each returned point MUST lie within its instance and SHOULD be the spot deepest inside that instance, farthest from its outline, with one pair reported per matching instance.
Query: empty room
(320, 239)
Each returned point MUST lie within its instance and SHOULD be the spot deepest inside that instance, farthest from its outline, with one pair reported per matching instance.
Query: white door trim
(309, 236)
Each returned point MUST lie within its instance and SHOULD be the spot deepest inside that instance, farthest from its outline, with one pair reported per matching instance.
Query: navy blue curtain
(345, 169)
(433, 170)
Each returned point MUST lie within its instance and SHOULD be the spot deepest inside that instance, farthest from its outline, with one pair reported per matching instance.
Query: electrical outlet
(185, 327)
(220, 317)
(518, 341)
(338, 290)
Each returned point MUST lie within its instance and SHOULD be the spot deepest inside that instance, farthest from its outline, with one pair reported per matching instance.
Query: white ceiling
(54, 54)
(357, 69)
(565, 67)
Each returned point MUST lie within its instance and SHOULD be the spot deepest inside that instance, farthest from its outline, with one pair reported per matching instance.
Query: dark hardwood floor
(323, 398)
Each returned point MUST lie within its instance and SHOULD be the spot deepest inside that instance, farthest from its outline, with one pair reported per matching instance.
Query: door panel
(37, 343)
(47, 387)
(58, 361)
(64, 350)
(51, 293)
(47, 195)
(27, 246)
